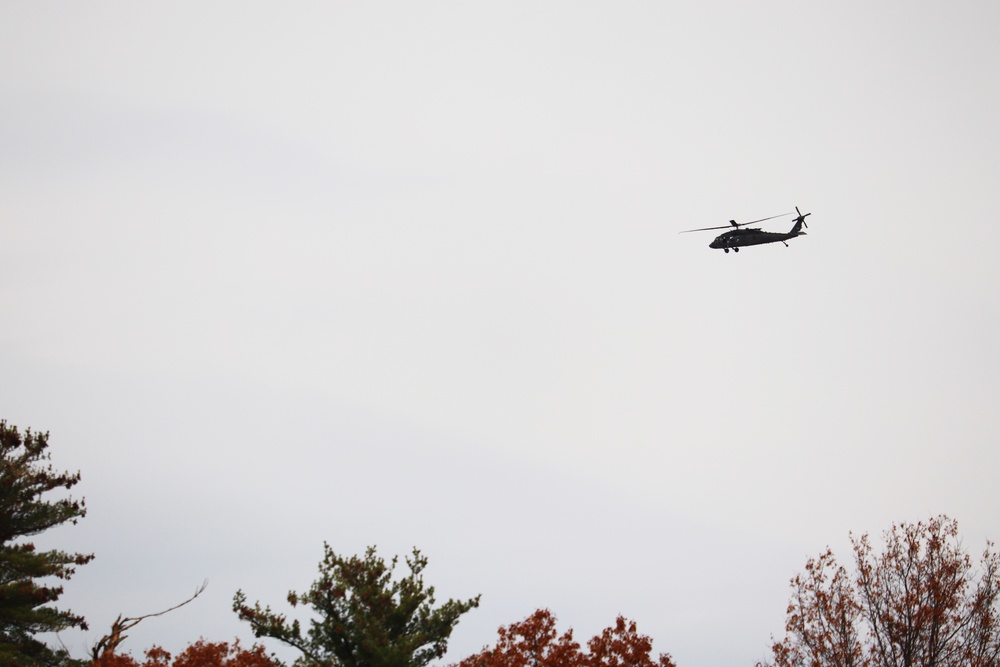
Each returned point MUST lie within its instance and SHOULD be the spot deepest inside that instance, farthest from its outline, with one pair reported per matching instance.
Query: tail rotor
(802, 218)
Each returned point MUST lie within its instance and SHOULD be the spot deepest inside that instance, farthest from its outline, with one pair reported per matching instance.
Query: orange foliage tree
(535, 642)
(199, 654)
(920, 603)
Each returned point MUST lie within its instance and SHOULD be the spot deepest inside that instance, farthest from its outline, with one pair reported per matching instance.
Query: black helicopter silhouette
(737, 238)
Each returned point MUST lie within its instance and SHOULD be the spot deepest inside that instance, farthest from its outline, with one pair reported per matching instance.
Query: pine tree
(364, 618)
(25, 604)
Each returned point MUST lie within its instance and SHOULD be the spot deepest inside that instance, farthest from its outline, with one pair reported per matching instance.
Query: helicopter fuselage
(738, 238)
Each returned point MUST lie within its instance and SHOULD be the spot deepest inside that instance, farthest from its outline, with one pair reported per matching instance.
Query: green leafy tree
(25, 604)
(363, 617)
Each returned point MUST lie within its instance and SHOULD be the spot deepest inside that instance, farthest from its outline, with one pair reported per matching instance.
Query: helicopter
(736, 238)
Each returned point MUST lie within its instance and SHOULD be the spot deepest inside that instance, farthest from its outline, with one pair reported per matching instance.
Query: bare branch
(109, 643)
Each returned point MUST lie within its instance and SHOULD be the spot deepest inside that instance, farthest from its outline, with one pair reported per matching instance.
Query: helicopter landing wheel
(726, 250)
(736, 249)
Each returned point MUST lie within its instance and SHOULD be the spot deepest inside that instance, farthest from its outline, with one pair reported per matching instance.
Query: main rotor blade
(731, 225)
(763, 219)
(704, 229)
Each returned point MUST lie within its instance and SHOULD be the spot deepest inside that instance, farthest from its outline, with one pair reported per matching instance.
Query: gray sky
(409, 274)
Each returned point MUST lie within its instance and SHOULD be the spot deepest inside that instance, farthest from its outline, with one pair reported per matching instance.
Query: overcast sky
(409, 274)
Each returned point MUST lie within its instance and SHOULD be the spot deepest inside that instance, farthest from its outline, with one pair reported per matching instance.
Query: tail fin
(800, 222)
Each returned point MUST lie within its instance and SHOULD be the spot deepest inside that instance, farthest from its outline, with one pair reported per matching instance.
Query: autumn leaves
(916, 600)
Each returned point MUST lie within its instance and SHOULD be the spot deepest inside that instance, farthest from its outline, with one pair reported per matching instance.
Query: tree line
(918, 601)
